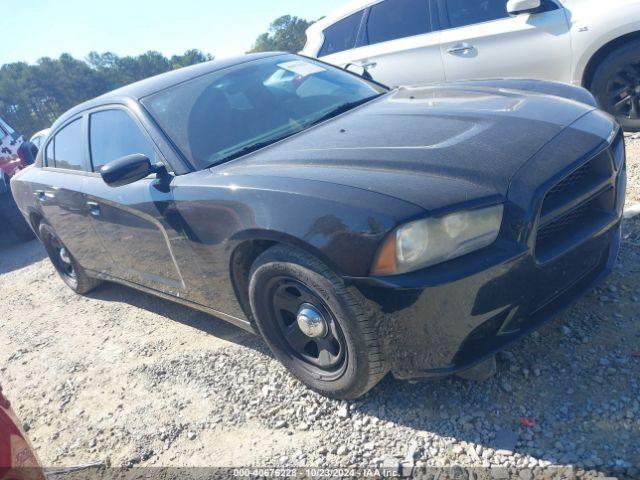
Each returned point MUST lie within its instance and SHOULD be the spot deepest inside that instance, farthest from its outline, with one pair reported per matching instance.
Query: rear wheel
(315, 325)
(67, 267)
(616, 85)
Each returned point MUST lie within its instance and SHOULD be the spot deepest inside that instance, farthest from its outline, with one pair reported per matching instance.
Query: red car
(15, 154)
(17, 459)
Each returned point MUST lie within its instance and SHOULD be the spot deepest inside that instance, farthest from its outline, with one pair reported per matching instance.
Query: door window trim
(45, 164)
(445, 23)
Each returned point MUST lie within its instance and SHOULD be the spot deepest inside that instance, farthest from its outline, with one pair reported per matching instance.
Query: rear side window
(342, 35)
(67, 148)
(465, 12)
(394, 19)
(114, 134)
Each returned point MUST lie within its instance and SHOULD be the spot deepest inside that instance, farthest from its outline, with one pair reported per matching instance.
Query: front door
(483, 41)
(134, 221)
(398, 43)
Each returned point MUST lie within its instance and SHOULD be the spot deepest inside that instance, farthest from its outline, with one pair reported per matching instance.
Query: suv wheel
(67, 267)
(616, 85)
(314, 324)
(16, 221)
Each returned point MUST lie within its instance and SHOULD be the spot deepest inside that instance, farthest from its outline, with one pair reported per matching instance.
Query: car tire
(65, 264)
(616, 85)
(16, 221)
(343, 363)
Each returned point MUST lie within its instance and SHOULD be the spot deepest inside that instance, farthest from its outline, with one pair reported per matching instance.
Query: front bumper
(447, 318)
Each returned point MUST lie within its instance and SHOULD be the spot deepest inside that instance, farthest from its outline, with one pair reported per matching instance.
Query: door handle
(460, 48)
(94, 208)
(40, 195)
(368, 65)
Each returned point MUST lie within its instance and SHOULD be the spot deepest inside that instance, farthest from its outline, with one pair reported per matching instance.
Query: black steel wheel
(65, 265)
(315, 325)
(616, 85)
(62, 259)
(310, 332)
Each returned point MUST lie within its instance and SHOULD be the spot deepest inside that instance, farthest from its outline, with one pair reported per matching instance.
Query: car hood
(434, 146)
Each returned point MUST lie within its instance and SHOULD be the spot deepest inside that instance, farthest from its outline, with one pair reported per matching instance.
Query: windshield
(229, 113)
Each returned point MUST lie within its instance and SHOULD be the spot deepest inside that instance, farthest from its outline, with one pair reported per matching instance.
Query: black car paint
(337, 190)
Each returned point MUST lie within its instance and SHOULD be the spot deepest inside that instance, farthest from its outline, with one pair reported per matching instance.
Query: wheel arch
(250, 245)
(35, 219)
(601, 54)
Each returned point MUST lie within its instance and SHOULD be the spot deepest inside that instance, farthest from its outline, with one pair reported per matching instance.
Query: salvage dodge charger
(360, 230)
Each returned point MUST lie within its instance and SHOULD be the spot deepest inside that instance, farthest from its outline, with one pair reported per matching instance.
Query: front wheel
(69, 270)
(314, 324)
(616, 85)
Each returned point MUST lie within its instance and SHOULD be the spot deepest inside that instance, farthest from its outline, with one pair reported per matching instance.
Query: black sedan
(358, 229)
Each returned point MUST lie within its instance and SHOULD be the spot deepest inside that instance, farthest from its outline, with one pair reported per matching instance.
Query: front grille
(573, 180)
(567, 222)
(580, 204)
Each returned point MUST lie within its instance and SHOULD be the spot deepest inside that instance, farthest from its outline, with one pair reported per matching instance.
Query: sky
(32, 29)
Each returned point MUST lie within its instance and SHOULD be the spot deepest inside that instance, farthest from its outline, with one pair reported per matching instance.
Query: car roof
(149, 86)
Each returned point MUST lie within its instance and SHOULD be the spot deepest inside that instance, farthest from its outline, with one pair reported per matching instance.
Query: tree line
(33, 96)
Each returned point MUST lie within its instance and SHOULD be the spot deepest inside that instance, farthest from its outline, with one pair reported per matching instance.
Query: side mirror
(27, 152)
(359, 70)
(129, 169)
(519, 7)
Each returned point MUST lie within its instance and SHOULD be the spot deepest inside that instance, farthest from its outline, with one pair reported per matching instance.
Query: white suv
(592, 43)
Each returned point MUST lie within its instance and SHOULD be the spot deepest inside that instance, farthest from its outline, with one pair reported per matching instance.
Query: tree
(33, 96)
(286, 34)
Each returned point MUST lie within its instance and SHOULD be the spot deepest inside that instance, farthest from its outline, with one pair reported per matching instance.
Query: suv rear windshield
(229, 113)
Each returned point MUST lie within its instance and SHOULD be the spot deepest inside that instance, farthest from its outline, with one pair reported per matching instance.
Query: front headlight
(431, 241)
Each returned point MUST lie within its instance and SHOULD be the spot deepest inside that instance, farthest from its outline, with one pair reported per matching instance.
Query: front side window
(341, 35)
(393, 19)
(68, 147)
(114, 134)
(465, 12)
(226, 114)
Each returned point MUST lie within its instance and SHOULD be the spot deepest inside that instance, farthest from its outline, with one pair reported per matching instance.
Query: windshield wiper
(251, 148)
(257, 146)
(345, 107)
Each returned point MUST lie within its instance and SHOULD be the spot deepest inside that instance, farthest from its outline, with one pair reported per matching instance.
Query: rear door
(480, 40)
(398, 43)
(135, 222)
(59, 190)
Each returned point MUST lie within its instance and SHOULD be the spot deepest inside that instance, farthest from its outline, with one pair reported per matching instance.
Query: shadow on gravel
(211, 325)
(16, 254)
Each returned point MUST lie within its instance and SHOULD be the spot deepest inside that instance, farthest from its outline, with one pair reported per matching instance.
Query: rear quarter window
(65, 151)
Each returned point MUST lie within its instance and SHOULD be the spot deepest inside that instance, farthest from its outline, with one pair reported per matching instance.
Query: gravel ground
(124, 378)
